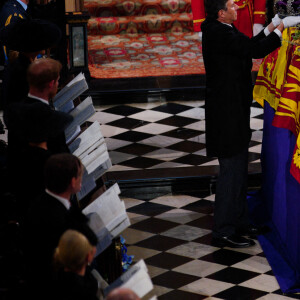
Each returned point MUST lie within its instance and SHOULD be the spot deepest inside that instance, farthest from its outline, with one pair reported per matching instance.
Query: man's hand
(290, 21)
(257, 28)
(200, 35)
(276, 20)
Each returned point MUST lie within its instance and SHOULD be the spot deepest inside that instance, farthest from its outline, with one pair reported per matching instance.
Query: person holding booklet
(49, 217)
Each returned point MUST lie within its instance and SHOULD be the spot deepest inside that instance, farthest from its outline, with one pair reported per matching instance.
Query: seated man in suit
(50, 216)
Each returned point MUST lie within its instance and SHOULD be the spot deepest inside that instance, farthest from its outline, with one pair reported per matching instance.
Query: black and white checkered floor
(172, 233)
(163, 135)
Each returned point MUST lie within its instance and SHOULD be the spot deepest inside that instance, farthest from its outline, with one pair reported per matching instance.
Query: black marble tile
(253, 156)
(225, 257)
(167, 260)
(132, 136)
(137, 149)
(128, 123)
(154, 225)
(201, 206)
(145, 193)
(177, 294)
(233, 275)
(172, 108)
(290, 295)
(149, 209)
(182, 133)
(240, 293)
(160, 243)
(123, 110)
(253, 143)
(141, 162)
(271, 273)
(261, 117)
(187, 146)
(255, 104)
(176, 121)
(173, 280)
(206, 239)
(192, 159)
(205, 222)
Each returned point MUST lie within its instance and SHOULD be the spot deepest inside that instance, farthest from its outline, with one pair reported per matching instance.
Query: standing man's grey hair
(212, 7)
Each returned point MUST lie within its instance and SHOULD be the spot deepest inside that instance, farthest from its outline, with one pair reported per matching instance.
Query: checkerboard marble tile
(163, 134)
(172, 233)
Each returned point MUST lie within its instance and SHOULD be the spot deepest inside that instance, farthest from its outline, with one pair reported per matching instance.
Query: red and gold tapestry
(278, 82)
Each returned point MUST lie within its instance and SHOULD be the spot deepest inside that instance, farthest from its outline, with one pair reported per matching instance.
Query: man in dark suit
(50, 215)
(227, 55)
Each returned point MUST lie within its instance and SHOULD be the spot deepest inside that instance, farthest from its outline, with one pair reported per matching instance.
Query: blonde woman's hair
(72, 250)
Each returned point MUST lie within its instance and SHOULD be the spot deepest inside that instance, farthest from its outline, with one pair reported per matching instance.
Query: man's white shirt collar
(40, 99)
(23, 4)
(227, 24)
(62, 200)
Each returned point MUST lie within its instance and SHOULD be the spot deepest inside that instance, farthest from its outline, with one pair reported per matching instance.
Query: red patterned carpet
(143, 38)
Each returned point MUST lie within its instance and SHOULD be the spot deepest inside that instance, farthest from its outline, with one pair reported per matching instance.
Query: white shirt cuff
(278, 32)
(266, 31)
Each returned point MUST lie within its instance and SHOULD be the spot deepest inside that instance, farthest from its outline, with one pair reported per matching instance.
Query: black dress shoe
(253, 230)
(233, 241)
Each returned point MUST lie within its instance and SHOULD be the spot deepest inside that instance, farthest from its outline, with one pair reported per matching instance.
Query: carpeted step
(115, 8)
(141, 24)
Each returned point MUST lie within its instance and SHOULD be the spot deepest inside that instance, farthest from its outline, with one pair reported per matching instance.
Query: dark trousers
(231, 209)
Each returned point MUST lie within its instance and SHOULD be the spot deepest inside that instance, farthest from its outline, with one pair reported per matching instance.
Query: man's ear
(51, 83)
(220, 13)
(73, 183)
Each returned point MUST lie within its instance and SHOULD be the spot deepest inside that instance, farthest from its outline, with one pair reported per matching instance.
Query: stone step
(181, 22)
(115, 8)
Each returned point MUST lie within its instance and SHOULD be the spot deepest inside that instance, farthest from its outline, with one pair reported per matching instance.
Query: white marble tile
(141, 252)
(103, 117)
(205, 286)
(273, 297)
(160, 141)
(193, 250)
(254, 250)
(135, 218)
(255, 111)
(115, 168)
(117, 157)
(256, 161)
(256, 124)
(165, 154)
(210, 197)
(194, 113)
(201, 152)
(200, 125)
(154, 128)
(255, 149)
(131, 202)
(199, 268)
(211, 163)
(255, 263)
(146, 105)
(262, 282)
(109, 131)
(133, 236)
(169, 164)
(192, 103)
(198, 139)
(103, 107)
(150, 115)
(175, 200)
(155, 271)
(186, 232)
(113, 144)
(257, 136)
(180, 216)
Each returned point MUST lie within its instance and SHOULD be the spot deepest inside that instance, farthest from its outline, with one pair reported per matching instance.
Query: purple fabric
(281, 201)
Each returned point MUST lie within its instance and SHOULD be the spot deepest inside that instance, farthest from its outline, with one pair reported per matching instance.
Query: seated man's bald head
(122, 294)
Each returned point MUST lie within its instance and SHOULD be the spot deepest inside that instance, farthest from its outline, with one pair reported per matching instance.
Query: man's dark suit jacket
(46, 221)
(227, 55)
